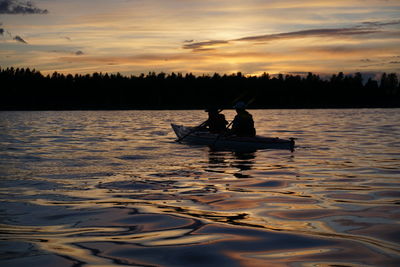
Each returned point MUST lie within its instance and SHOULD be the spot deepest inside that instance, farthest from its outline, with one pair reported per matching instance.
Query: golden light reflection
(286, 254)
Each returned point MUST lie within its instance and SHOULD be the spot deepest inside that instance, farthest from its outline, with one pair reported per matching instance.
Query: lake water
(112, 188)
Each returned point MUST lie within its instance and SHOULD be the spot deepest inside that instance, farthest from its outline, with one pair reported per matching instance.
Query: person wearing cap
(243, 123)
(216, 122)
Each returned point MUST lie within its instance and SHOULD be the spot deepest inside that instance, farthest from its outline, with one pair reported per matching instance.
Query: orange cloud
(374, 27)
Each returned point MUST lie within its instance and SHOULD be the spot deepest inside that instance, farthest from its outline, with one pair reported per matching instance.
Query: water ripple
(113, 188)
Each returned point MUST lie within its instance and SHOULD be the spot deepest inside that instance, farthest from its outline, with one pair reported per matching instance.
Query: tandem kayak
(200, 137)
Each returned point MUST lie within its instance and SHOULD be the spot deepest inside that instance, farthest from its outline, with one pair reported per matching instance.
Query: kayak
(203, 137)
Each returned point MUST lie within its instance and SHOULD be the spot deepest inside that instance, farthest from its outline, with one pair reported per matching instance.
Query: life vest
(217, 123)
(243, 124)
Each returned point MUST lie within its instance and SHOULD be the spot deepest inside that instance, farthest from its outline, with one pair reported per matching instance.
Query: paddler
(216, 122)
(243, 123)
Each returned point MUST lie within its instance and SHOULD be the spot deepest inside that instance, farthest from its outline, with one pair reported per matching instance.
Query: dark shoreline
(25, 89)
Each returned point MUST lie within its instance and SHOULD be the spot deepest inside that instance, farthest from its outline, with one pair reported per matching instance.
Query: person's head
(212, 111)
(239, 106)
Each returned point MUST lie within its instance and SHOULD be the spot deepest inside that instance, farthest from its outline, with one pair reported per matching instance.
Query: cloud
(18, 7)
(204, 45)
(345, 52)
(16, 38)
(380, 63)
(19, 39)
(381, 24)
(69, 52)
(373, 27)
(310, 33)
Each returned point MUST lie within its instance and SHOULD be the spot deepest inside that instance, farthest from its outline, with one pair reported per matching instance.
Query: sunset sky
(201, 36)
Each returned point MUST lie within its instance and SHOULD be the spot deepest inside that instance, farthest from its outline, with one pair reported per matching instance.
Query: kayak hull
(192, 136)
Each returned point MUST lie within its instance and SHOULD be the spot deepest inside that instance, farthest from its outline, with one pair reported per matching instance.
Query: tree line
(26, 89)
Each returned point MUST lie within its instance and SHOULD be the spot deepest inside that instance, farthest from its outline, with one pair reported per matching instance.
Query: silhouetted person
(216, 122)
(243, 124)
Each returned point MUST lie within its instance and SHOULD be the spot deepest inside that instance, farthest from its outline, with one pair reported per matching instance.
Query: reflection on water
(242, 161)
(113, 188)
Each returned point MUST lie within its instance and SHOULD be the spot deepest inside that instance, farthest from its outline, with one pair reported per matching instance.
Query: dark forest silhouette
(25, 89)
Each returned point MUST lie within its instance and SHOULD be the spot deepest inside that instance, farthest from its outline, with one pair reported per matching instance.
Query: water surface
(112, 188)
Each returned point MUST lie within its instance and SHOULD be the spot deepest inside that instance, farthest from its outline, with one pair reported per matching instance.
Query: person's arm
(223, 117)
(205, 125)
